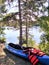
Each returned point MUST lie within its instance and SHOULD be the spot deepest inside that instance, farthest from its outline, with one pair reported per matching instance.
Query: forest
(29, 13)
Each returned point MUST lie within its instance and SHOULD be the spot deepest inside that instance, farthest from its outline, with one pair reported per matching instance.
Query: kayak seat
(16, 46)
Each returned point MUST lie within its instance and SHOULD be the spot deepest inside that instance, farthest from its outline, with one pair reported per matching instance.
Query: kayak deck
(17, 52)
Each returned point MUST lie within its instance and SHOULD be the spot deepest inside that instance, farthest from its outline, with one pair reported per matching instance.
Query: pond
(12, 34)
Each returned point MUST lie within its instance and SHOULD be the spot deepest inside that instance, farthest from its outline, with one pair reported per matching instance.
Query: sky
(13, 7)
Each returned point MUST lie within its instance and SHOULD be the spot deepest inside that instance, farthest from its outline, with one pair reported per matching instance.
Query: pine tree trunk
(48, 7)
(20, 22)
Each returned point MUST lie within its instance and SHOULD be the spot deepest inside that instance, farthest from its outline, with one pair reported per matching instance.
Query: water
(13, 34)
(36, 32)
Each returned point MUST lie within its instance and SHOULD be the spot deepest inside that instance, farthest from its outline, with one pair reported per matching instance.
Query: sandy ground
(7, 58)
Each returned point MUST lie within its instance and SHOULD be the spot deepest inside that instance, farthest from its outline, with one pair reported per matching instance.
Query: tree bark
(26, 27)
(20, 22)
(48, 7)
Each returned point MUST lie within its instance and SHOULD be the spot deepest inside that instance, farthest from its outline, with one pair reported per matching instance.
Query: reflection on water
(13, 34)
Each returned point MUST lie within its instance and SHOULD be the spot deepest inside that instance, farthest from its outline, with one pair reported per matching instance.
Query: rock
(2, 46)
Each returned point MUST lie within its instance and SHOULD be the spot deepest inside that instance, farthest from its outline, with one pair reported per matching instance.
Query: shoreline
(7, 58)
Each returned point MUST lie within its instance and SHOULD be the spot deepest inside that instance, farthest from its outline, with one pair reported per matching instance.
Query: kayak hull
(17, 52)
(43, 59)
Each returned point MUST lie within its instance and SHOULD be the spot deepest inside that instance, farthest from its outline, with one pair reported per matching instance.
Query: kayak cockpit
(16, 46)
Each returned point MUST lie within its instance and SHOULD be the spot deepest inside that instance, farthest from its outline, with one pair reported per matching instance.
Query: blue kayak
(18, 50)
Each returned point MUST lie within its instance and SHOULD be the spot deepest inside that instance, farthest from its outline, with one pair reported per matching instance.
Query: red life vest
(37, 52)
(33, 59)
(33, 53)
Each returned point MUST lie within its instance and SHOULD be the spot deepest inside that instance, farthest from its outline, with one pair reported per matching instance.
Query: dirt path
(7, 58)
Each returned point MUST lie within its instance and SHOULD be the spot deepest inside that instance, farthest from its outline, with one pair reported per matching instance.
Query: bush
(44, 47)
(2, 39)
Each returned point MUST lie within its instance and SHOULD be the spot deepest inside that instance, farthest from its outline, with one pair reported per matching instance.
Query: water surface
(12, 34)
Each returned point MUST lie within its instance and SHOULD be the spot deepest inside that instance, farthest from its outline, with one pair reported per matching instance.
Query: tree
(48, 7)
(44, 24)
(30, 10)
(20, 21)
